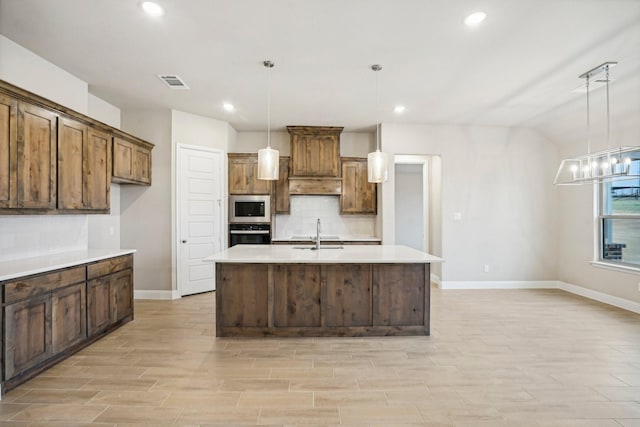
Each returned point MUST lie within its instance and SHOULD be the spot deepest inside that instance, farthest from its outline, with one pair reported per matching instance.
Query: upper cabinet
(56, 160)
(315, 151)
(35, 157)
(358, 195)
(8, 112)
(283, 201)
(243, 175)
(84, 167)
(131, 161)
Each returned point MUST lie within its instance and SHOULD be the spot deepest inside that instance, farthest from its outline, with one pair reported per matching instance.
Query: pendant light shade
(377, 167)
(268, 166)
(268, 158)
(377, 162)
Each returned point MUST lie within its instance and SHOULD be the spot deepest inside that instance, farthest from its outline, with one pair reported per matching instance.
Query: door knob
(184, 241)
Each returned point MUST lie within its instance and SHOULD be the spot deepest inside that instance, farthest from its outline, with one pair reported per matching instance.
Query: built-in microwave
(249, 209)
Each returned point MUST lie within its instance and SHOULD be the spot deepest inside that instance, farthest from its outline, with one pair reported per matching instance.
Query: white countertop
(27, 266)
(311, 238)
(349, 254)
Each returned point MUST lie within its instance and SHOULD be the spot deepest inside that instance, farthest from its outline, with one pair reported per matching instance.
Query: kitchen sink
(313, 248)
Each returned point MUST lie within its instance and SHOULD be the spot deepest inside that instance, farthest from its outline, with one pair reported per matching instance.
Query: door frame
(426, 219)
(176, 229)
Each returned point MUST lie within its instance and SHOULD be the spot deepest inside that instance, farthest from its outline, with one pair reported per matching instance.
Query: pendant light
(377, 161)
(601, 166)
(268, 158)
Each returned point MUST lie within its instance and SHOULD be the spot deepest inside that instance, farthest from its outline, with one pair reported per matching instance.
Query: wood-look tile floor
(494, 358)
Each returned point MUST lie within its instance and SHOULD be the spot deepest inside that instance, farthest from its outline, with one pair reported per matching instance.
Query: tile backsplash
(24, 236)
(305, 210)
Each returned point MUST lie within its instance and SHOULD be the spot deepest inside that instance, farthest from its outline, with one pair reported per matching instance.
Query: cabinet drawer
(35, 285)
(109, 266)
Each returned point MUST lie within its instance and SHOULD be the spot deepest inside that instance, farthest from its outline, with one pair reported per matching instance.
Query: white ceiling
(517, 68)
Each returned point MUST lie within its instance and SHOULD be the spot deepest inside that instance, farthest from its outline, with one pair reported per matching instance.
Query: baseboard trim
(506, 284)
(160, 295)
(601, 297)
(435, 279)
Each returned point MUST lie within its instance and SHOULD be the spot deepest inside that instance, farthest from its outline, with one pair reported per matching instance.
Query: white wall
(28, 71)
(145, 212)
(103, 111)
(500, 180)
(576, 238)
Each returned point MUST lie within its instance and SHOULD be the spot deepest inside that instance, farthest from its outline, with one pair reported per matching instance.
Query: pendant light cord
(588, 122)
(377, 68)
(608, 116)
(268, 65)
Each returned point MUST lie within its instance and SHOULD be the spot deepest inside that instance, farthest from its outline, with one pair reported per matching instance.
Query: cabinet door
(72, 139)
(358, 195)
(122, 294)
(97, 166)
(8, 187)
(27, 334)
(142, 165)
(243, 175)
(283, 202)
(36, 163)
(69, 314)
(99, 304)
(315, 155)
(122, 159)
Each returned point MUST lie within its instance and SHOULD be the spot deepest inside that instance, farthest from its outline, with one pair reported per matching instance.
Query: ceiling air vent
(173, 81)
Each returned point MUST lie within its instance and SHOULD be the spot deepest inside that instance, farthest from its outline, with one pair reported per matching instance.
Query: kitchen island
(351, 290)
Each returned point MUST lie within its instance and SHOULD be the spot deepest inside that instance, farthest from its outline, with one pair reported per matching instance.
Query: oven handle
(249, 232)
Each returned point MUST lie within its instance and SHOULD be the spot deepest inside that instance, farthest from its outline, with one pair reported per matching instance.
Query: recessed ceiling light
(152, 9)
(399, 109)
(228, 107)
(474, 19)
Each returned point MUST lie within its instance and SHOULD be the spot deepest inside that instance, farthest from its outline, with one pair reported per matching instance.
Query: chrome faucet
(318, 234)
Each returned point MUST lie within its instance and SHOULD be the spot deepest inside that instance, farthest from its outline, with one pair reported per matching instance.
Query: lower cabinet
(109, 293)
(48, 316)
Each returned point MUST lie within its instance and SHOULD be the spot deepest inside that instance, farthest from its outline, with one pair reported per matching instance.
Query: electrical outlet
(487, 268)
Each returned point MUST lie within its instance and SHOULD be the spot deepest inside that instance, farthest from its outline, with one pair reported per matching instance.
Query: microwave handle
(249, 232)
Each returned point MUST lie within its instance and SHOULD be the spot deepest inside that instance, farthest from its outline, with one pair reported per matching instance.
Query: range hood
(315, 160)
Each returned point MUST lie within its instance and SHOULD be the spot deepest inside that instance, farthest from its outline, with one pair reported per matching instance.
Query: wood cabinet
(8, 113)
(36, 157)
(243, 175)
(109, 293)
(43, 316)
(358, 195)
(131, 161)
(283, 201)
(84, 167)
(315, 151)
(48, 316)
(56, 160)
(322, 299)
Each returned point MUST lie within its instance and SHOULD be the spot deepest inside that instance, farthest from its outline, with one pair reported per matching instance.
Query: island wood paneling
(322, 299)
(242, 289)
(296, 295)
(399, 294)
(348, 296)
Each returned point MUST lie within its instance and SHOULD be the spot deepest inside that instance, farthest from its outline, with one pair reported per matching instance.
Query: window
(619, 216)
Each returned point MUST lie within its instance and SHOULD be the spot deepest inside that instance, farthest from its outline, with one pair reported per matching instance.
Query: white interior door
(200, 218)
